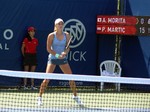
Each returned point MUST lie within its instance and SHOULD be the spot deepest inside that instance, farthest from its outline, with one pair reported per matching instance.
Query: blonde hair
(55, 29)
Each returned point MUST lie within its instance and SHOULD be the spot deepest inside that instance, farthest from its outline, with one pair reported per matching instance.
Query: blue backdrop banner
(80, 21)
(135, 51)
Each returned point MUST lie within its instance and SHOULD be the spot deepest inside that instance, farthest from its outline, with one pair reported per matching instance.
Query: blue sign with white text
(80, 21)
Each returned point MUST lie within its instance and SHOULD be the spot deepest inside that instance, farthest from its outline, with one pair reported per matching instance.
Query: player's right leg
(49, 69)
(42, 89)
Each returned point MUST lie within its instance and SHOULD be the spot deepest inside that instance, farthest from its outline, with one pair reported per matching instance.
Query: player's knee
(46, 81)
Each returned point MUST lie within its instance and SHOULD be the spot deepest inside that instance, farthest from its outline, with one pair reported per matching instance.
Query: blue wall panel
(135, 50)
(17, 15)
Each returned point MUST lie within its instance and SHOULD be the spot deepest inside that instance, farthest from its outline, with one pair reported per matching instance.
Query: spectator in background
(29, 51)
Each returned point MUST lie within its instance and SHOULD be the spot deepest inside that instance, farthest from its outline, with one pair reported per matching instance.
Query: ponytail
(55, 28)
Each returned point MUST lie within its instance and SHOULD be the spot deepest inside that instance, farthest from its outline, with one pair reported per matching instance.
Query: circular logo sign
(76, 30)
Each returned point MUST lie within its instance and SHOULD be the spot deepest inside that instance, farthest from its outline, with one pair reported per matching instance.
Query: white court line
(74, 109)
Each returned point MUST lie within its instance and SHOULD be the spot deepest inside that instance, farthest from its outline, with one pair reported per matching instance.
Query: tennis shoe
(77, 100)
(40, 101)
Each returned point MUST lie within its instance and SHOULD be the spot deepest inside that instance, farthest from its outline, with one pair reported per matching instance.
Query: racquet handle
(68, 43)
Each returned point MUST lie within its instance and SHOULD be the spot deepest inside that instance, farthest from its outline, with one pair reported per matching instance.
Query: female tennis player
(56, 47)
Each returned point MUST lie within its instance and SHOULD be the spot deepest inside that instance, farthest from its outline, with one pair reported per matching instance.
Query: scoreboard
(123, 25)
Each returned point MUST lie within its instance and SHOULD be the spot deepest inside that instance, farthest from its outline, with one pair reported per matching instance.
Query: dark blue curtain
(80, 19)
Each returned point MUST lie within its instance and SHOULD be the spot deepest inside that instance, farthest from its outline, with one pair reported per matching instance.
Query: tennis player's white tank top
(58, 45)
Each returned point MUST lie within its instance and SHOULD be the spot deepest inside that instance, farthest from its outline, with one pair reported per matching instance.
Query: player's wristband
(57, 55)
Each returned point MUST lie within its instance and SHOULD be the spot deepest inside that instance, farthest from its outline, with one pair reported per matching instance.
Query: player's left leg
(67, 70)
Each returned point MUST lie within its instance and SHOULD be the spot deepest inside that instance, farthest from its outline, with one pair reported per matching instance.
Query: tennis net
(134, 95)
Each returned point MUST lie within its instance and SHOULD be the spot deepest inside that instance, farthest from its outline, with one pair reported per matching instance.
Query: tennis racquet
(67, 46)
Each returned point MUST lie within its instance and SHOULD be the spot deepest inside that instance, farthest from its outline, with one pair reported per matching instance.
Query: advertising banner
(79, 17)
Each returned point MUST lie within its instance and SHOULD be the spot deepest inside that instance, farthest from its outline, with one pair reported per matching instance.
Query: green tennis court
(134, 95)
(59, 99)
